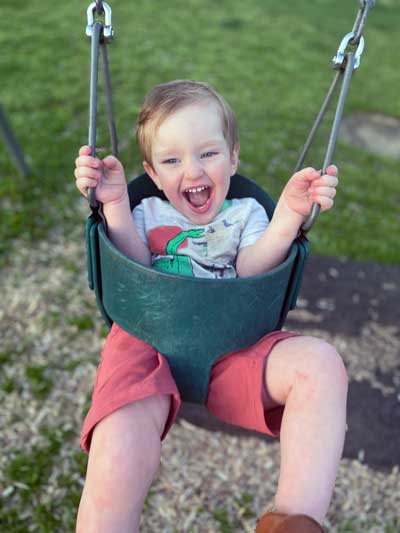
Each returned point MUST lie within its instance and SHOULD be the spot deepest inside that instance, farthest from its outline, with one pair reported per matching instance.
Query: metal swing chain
(358, 28)
(345, 64)
(99, 7)
(100, 34)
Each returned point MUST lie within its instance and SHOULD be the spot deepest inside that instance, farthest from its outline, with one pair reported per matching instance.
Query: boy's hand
(307, 187)
(106, 175)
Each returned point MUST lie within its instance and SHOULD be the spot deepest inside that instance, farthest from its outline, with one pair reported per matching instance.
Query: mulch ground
(209, 481)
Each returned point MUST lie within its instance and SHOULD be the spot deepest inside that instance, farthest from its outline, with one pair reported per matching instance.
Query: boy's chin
(199, 218)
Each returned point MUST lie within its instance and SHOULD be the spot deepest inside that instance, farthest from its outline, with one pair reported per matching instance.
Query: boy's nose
(193, 169)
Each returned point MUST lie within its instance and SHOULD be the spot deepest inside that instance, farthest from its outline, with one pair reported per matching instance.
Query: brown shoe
(282, 523)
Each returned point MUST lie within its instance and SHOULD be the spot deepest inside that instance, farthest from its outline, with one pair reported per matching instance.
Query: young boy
(294, 386)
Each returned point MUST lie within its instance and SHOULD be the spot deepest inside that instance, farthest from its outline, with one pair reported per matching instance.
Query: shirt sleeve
(256, 221)
(138, 218)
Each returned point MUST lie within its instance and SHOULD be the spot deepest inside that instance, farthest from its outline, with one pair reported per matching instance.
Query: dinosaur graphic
(175, 263)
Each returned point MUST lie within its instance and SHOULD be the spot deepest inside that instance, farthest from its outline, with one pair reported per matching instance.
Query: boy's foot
(273, 522)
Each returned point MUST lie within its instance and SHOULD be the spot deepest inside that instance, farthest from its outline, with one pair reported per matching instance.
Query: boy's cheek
(153, 175)
(157, 182)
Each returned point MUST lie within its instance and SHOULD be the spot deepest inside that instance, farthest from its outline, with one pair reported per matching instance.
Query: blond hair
(167, 98)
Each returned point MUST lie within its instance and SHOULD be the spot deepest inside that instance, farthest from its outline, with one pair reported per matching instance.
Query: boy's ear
(151, 172)
(235, 158)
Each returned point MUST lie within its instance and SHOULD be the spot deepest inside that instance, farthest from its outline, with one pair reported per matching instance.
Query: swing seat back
(191, 321)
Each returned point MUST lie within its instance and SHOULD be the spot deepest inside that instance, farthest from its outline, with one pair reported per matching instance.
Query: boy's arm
(302, 190)
(111, 190)
(123, 233)
(269, 250)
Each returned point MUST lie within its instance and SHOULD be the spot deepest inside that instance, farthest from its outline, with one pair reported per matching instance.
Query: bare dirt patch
(373, 132)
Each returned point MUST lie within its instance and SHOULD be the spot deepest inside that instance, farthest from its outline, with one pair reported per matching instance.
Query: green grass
(270, 59)
(355, 526)
(31, 472)
(222, 519)
(39, 380)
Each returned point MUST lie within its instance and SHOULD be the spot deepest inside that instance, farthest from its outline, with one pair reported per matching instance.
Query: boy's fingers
(84, 184)
(329, 192)
(84, 150)
(308, 174)
(332, 170)
(325, 202)
(326, 180)
(87, 172)
(111, 162)
(87, 161)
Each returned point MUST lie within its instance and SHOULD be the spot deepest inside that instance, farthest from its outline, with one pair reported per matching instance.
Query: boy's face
(192, 163)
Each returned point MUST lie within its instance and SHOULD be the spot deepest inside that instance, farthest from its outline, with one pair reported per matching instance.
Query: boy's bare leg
(308, 377)
(123, 460)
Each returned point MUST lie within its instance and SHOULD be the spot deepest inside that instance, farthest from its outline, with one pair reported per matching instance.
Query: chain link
(358, 28)
(99, 7)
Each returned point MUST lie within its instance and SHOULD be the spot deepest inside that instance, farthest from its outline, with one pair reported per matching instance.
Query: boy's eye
(170, 161)
(209, 154)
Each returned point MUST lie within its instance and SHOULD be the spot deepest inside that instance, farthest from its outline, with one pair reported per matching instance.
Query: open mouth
(198, 197)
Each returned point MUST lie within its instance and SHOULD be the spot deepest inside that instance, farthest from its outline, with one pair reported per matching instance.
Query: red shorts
(132, 370)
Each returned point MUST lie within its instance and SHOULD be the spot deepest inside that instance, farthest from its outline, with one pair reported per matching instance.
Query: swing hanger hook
(99, 8)
(339, 59)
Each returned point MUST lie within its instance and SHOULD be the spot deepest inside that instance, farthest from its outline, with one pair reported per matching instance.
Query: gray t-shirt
(209, 251)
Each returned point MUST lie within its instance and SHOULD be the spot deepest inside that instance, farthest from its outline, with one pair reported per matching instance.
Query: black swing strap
(101, 33)
(345, 64)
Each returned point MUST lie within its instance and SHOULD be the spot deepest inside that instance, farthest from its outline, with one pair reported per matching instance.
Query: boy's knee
(324, 363)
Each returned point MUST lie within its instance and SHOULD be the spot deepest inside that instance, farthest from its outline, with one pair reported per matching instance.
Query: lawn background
(270, 59)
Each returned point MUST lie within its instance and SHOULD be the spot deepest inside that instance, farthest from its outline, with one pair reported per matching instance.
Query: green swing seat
(191, 321)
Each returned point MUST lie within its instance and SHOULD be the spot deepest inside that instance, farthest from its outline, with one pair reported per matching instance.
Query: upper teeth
(197, 189)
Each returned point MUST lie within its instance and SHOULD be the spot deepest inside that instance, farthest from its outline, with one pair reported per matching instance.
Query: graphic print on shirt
(166, 241)
(208, 251)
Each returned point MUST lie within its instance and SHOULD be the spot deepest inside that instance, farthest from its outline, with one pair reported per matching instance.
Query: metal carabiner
(339, 58)
(108, 32)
